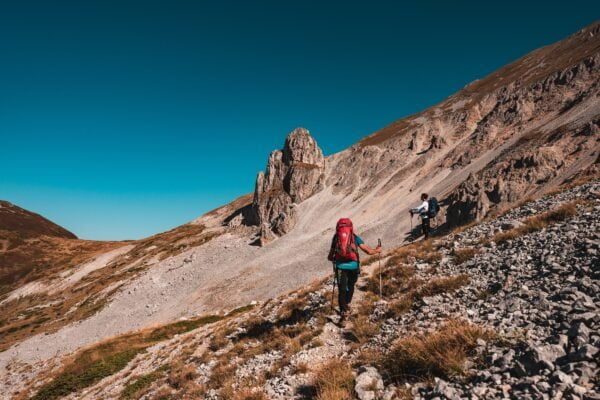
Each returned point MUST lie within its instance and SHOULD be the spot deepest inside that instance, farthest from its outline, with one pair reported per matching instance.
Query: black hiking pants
(425, 226)
(346, 279)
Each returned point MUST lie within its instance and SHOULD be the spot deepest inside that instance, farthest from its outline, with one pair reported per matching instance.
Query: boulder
(369, 384)
(541, 357)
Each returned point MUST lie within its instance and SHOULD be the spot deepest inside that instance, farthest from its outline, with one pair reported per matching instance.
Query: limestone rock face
(293, 174)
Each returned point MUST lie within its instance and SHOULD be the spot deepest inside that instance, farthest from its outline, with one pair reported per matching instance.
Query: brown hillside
(27, 223)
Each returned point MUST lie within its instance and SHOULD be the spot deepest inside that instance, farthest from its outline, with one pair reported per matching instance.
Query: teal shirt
(350, 264)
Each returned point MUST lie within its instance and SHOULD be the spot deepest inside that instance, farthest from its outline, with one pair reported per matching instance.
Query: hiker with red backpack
(346, 261)
(427, 210)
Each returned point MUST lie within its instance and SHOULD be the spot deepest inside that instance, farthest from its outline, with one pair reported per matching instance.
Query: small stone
(389, 393)
(543, 386)
(559, 376)
(479, 391)
(585, 353)
(443, 388)
(578, 390)
(580, 334)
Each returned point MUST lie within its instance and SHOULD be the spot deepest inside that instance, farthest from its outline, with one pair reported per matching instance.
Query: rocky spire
(293, 174)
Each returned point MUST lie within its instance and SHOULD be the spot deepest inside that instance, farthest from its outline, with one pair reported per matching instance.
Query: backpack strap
(356, 248)
(333, 248)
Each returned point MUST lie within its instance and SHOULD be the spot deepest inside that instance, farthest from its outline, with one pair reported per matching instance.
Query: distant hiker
(346, 261)
(427, 210)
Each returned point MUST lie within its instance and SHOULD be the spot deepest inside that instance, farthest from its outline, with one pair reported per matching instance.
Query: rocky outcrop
(293, 174)
(521, 171)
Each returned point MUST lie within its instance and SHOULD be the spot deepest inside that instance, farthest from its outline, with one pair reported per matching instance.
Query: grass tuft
(250, 394)
(415, 289)
(439, 354)
(539, 222)
(464, 255)
(334, 380)
(168, 331)
(182, 376)
(443, 285)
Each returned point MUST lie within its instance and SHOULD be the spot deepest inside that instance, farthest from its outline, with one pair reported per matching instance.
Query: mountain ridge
(17, 219)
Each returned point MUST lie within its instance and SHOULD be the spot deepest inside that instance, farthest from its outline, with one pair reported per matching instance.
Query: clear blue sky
(120, 119)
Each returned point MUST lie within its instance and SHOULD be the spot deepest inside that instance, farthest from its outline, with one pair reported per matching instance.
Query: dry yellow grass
(164, 393)
(335, 394)
(217, 342)
(250, 394)
(181, 375)
(301, 368)
(367, 356)
(221, 373)
(415, 289)
(394, 278)
(334, 381)
(422, 250)
(364, 329)
(442, 353)
(403, 393)
(400, 306)
(464, 255)
(290, 307)
(464, 227)
(539, 222)
(443, 285)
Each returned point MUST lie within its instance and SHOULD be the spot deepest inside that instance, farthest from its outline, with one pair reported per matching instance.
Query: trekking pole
(380, 284)
(333, 287)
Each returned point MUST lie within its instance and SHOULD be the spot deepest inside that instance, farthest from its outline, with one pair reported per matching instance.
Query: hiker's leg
(342, 289)
(426, 227)
(352, 278)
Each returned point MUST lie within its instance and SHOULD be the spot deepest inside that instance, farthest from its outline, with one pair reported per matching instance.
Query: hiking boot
(343, 314)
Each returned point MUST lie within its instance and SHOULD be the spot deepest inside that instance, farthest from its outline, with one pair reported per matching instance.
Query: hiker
(346, 261)
(427, 210)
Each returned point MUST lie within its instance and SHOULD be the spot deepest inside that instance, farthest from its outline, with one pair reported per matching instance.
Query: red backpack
(343, 247)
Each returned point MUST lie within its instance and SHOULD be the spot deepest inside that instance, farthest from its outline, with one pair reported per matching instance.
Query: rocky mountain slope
(508, 308)
(527, 129)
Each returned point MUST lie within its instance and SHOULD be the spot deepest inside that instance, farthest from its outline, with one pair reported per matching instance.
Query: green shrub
(76, 379)
(141, 382)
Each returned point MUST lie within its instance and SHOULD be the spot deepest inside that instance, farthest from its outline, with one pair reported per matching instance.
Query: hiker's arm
(423, 207)
(369, 250)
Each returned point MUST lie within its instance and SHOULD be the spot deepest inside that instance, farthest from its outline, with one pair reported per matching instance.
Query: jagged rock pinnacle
(293, 174)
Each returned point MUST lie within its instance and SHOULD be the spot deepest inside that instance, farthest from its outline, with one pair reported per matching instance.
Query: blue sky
(120, 119)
